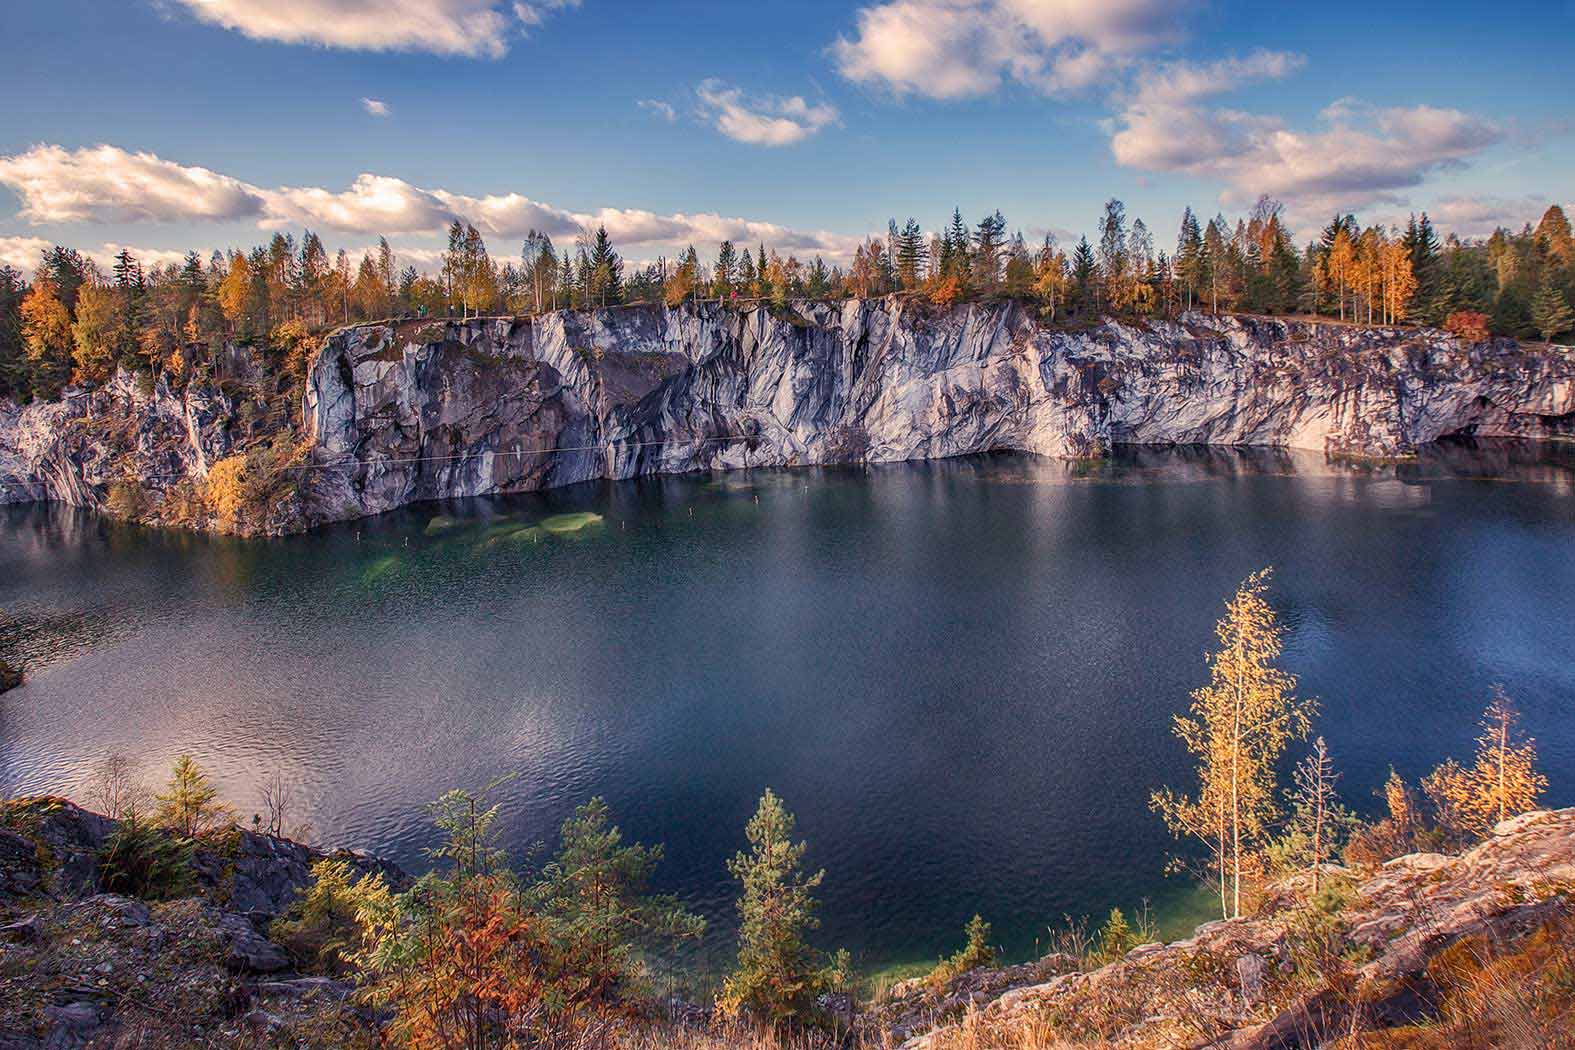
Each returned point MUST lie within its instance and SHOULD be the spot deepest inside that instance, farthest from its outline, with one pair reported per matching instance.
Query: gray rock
(23, 931)
(399, 412)
(1250, 971)
(246, 950)
(70, 1025)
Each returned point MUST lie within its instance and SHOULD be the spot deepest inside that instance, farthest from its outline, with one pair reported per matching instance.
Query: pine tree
(726, 267)
(911, 253)
(988, 240)
(604, 276)
(955, 261)
(747, 278)
(1114, 254)
(1084, 272)
(775, 980)
(596, 894)
(1241, 722)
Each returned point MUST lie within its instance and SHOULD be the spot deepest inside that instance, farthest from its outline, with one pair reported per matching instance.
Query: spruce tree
(1189, 254)
(1550, 312)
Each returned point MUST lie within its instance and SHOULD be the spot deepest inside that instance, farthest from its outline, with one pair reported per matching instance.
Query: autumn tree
(775, 980)
(1241, 723)
(95, 332)
(46, 337)
(1502, 782)
(1051, 276)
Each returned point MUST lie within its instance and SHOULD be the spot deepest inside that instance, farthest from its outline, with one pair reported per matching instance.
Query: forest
(71, 322)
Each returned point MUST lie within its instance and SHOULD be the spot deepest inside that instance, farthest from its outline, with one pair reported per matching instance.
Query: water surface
(960, 675)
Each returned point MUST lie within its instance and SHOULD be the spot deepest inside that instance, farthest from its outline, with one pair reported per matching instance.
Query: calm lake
(959, 675)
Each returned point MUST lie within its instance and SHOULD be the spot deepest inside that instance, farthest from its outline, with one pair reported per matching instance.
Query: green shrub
(975, 952)
(140, 860)
(1116, 938)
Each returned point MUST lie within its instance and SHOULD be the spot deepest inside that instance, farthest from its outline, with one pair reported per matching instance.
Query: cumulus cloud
(375, 106)
(766, 121)
(105, 184)
(474, 28)
(661, 109)
(108, 184)
(1358, 154)
(951, 49)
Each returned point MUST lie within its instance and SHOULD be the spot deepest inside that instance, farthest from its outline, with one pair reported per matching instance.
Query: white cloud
(105, 254)
(1468, 215)
(761, 121)
(536, 12)
(21, 253)
(1360, 155)
(662, 109)
(474, 28)
(1180, 81)
(108, 184)
(950, 49)
(375, 106)
(105, 184)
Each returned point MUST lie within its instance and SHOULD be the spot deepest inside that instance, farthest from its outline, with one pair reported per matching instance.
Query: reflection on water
(959, 674)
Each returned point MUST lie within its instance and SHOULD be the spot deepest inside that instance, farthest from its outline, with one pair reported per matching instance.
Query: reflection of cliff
(396, 413)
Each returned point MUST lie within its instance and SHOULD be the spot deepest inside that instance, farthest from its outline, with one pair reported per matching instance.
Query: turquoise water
(960, 675)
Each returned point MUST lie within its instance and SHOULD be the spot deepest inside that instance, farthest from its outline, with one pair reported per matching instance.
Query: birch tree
(1240, 724)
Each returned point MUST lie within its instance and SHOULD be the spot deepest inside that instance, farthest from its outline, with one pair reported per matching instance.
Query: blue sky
(804, 124)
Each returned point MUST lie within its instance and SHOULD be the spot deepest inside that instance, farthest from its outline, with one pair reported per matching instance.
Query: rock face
(400, 412)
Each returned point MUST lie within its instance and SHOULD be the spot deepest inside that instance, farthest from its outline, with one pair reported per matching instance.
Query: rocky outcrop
(400, 412)
(1375, 954)
(84, 968)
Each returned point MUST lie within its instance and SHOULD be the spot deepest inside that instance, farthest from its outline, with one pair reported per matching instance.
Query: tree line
(71, 321)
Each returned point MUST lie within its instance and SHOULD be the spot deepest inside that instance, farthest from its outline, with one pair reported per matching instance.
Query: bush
(320, 929)
(1468, 326)
(1116, 937)
(139, 860)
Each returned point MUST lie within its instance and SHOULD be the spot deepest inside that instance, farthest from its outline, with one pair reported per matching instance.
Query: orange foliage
(1469, 326)
(947, 292)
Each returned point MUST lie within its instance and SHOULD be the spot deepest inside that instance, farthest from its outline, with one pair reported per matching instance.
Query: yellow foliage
(1241, 722)
(225, 492)
(1503, 782)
